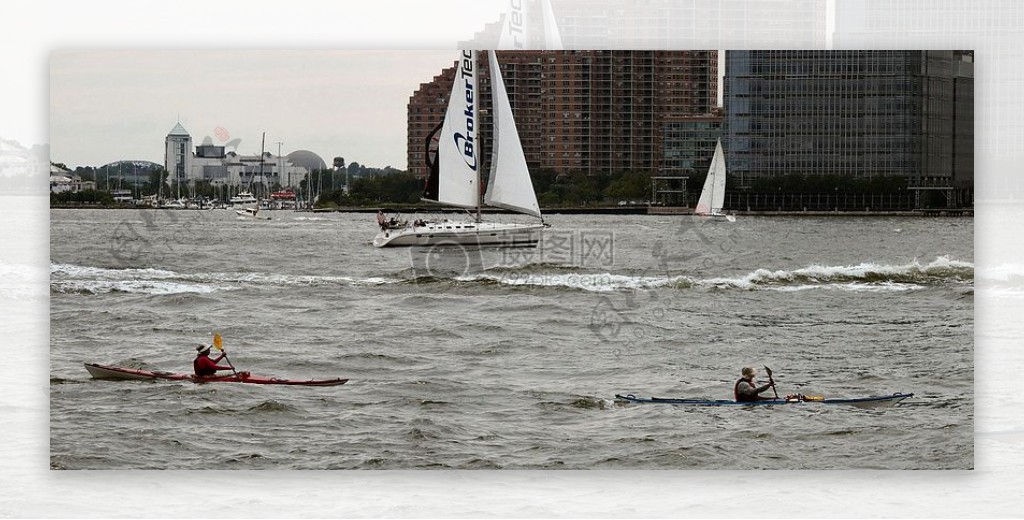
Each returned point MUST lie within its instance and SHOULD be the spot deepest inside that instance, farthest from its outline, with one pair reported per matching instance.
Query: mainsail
(712, 196)
(458, 178)
(510, 186)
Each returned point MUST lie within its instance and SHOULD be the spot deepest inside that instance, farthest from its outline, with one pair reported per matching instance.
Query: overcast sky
(117, 90)
(112, 105)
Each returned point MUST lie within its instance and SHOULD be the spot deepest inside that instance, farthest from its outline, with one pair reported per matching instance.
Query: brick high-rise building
(426, 110)
(596, 112)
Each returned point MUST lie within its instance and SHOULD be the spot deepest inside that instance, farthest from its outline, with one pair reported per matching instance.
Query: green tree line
(390, 186)
(556, 189)
(577, 189)
(553, 189)
(82, 198)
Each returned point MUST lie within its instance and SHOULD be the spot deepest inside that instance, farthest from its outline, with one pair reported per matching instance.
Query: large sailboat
(455, 178)
(712, 196)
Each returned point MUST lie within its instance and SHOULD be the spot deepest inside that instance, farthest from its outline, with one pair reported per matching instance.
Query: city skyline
(107, 106)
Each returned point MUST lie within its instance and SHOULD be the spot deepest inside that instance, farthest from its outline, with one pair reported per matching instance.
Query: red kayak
(109, 372)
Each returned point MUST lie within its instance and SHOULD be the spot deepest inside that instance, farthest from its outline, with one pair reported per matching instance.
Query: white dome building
(307, 159)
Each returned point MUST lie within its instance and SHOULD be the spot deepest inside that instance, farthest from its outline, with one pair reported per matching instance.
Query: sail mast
(479, 186)
(263, 146)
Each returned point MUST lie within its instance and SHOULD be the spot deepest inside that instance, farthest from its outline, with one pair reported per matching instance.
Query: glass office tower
(857, 113)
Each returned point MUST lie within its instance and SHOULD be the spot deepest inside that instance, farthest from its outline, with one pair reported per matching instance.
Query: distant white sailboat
(455, 172)
(712, 196)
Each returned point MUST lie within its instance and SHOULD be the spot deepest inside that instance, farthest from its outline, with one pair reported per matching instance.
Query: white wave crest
(864, 277)
(878, 275)
(264, 278)
(151, 287)
(851, 287)
(97, 280)
(594, 282)
(78, 271)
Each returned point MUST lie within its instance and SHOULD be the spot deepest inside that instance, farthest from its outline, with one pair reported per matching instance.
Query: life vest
(204, 366)
(742, 398)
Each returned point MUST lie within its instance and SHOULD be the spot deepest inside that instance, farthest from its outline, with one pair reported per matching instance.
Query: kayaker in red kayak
(203, 366)
(746, 389)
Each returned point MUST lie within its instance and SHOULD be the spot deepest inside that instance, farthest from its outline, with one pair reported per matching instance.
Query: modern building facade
(214, 164)
(690, 144)
(178, 154)
(851, 113)
(596, 112)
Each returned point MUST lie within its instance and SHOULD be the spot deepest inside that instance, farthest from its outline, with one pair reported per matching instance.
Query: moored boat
(882, 401)
(98, 371)
(244, 197)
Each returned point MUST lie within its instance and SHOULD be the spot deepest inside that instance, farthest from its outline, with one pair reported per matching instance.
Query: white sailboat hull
(463, 233)
(717, 216)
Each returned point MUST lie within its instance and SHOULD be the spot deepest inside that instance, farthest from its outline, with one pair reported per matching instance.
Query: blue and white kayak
(882, 401)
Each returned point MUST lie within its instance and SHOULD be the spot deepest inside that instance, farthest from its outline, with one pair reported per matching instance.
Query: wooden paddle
(218, 344)
(771, 381)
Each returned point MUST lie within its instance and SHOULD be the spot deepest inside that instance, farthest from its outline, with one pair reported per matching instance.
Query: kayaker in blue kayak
(746, 390)
(203, 366)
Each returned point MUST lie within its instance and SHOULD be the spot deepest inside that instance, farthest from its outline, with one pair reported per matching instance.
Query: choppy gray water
(511, 359)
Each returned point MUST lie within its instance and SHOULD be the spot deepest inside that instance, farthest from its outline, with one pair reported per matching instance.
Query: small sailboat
(712, 197)
(455, 178)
